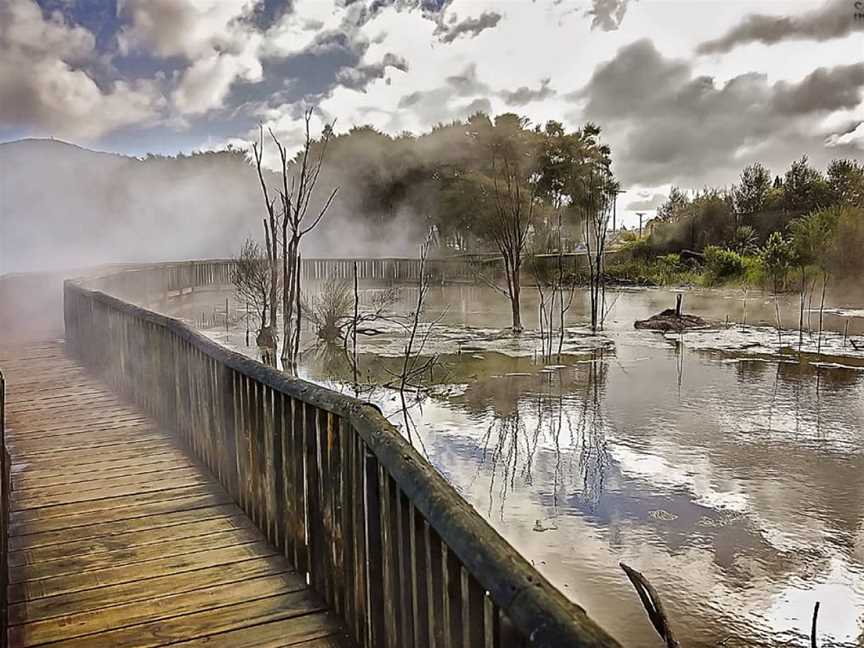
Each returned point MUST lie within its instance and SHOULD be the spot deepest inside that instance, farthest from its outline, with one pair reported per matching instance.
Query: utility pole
(640, 215)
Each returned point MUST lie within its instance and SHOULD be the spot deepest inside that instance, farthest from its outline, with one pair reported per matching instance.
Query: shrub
(638, 248)
(777, 256)
(754, 271)
(668, 266)
(723, 263)
(847, 248)
(745, 240)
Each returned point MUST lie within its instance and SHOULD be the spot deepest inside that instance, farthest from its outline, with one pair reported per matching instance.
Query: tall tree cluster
(482, 184)
(773, 215)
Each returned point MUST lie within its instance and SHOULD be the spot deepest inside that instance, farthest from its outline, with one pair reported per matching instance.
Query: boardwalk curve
(118, 538)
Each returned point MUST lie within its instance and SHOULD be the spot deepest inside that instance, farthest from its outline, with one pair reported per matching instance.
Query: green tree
(846, 182)
(847, 250)
(812, 237)
(505, 172)
(745, 240)
(676, 207)
(750, 195)
(804, 188)
(777, 256)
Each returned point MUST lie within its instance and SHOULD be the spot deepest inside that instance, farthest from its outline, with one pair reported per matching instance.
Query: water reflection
(731, 478)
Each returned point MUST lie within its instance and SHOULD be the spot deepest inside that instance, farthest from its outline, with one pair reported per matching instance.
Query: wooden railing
(151, 282)
(5, 489)
(383, 538)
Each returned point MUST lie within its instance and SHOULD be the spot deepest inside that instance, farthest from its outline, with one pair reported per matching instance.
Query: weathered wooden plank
(150, 589)
(84, 461)
(38, 431)
(143, 438)
(63, 584)
(34, 498)
(45, 421)
(91, 512)
(46, 455)
(202, 624)
(33, 548)
(32, 478)
(130, 614)
(317, 630)
(103, 483)
(123, 553)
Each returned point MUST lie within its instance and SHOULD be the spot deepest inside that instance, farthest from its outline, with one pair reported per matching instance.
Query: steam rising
(64, 207)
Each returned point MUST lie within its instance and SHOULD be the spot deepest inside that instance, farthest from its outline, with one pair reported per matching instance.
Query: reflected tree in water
(555, 436)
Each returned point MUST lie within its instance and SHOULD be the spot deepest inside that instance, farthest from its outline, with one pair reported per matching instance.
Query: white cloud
(296, 30)
(205, 84)
(189, 28)
(46, 90)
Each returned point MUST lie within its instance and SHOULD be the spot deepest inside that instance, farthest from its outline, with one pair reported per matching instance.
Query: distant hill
(64, 206)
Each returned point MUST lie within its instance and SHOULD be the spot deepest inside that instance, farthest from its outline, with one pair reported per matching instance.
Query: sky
(687, 93)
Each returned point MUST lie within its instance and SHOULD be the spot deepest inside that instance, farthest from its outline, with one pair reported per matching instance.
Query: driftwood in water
(652, 604)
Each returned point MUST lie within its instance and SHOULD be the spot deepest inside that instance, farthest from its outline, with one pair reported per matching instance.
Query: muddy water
(725, 466)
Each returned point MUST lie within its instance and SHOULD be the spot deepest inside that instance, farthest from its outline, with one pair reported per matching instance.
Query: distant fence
(154, 283)
(384, 539)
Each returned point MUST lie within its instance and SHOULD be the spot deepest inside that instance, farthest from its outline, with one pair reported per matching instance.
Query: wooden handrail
(5, 489)
(386, 541)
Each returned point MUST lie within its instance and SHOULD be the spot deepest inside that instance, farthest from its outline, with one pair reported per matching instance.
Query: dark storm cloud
(267, 12)
(470, 27)
(467, 83)
(823, 89)
(447, 102)
(667, 125)
(358, 78)
(638, 72)
(647, 203)
(835, 19)
(607, 15)
(478, 105)
(526, 95)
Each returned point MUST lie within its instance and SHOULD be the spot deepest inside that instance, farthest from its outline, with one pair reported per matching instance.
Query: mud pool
(725, 464)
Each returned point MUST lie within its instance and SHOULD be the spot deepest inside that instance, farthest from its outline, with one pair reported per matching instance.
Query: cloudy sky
(687, 92)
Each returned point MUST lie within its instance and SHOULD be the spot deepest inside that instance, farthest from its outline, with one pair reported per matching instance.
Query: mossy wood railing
(5, 489)
(384, 539)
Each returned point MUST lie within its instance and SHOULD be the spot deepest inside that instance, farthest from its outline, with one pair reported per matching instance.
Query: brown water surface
(724, 465)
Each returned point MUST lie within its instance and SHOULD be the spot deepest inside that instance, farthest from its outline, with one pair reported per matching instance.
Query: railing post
(6, 486)
(374, 553)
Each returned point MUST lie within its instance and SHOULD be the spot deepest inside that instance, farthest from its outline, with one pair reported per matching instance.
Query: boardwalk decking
(117, 538)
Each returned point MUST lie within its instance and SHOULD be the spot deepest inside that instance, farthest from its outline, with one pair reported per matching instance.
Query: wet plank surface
(118, 538)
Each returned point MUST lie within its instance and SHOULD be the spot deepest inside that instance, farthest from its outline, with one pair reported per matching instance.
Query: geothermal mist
(64, 207)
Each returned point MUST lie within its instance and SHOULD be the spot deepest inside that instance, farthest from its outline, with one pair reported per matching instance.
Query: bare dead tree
(329, 309)
(287, 224)
(552, 310)
(251, 278)
(410, 357)
(272, 225)
(595, 210)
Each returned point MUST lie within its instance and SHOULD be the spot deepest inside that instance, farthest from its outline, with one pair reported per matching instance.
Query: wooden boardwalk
(117, 538)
